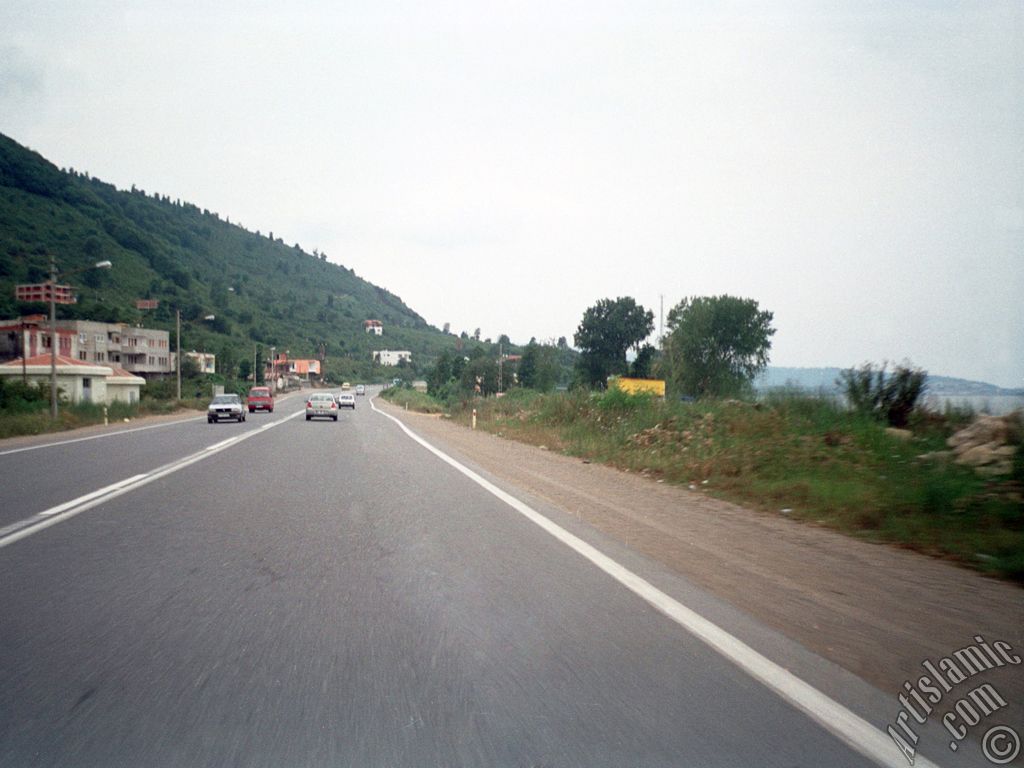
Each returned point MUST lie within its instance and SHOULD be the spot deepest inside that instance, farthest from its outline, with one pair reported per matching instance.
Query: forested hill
(259, 289)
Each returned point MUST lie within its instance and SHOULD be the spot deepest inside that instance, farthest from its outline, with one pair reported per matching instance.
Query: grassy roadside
(802, 457)
(38, 421)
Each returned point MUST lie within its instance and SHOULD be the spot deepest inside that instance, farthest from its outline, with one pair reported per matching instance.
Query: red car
(261, 399)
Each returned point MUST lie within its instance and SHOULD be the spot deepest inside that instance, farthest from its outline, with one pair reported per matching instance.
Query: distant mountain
(824, 379)
(258, 289)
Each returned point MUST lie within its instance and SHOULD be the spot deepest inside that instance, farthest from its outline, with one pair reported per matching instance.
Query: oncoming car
(321, 404)
(360, 389)
(225, 407)
(347, 401)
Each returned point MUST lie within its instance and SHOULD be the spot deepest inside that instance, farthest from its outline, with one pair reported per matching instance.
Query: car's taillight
(334, 405)
(309, 404)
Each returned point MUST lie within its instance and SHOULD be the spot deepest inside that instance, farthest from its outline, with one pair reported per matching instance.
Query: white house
(392, 356)
(207, 361)
(81, 382)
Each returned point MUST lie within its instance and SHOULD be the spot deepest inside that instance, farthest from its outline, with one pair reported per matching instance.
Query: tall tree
(607, 331)
(538, 367)
(716, 345)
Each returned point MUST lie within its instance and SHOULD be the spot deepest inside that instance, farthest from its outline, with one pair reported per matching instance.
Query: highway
(292, 593)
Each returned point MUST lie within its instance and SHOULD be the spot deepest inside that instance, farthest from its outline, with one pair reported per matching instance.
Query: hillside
(259, 289)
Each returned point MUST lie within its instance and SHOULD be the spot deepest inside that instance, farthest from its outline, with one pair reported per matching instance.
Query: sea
(994, 405)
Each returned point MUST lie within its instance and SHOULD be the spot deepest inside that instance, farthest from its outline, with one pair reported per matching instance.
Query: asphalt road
(333, 594)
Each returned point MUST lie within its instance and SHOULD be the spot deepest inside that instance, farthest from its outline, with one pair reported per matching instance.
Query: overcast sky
(855, 167)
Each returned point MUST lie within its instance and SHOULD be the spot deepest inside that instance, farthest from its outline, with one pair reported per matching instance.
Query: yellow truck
(654, 387)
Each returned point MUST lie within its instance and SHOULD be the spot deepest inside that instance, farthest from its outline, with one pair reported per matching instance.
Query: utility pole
(661, 320)
(53, 337)
(53, 323)
(177, 365)
(501, 358)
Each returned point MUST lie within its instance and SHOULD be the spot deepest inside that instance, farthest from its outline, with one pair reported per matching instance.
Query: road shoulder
(875, 610)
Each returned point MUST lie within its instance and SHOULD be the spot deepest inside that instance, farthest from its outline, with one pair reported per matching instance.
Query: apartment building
(136, 350)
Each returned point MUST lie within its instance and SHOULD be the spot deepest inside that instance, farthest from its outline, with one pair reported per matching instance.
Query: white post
(474, 418)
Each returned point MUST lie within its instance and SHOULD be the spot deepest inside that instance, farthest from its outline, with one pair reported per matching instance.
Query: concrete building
(131, 348)
(292, 369)
(80, 382)
(376, 327)
(207, 361)
(392, 356)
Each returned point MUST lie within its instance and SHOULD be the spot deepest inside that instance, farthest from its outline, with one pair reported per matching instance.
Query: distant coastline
(941, 390)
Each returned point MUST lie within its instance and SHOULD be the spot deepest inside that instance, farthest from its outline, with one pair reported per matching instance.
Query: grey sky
(857, 168)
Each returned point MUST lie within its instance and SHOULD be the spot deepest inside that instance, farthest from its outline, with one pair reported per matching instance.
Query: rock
(936, 456)
(994, 470)
(899, 434)
(989, 444)
(979, 455)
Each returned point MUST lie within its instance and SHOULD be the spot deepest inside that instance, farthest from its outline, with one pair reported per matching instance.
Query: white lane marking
(89, 496)
(43, 520)
(97, 437)
(223, 443)
(849, 727)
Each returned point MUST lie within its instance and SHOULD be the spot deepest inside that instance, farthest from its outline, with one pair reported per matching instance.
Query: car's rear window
(259, 393)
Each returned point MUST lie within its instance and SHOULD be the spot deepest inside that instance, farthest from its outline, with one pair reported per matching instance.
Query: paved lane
(329, 595)
(58, 468)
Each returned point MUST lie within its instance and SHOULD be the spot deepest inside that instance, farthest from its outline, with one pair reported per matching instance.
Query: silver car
(321, 404)
(227, 407)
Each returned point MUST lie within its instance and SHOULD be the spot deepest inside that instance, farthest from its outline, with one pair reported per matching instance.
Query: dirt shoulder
(873, 609)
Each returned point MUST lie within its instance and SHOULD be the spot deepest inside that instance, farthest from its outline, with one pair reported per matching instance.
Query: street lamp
(177, 313)
(53, 323)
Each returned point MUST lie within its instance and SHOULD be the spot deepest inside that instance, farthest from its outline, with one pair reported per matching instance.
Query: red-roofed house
(80, 382)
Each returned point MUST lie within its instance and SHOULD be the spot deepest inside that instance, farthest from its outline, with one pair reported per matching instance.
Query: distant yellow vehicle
(345, 387)
(654, 387)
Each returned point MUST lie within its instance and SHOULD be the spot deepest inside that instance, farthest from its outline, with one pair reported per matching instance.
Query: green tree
(716, 344)
(641, 367)
(480, 371)
(440, 374)
(607, 331)
(538, 367)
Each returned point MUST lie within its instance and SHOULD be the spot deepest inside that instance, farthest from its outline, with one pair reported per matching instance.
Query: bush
(891, 397)
(17, 397)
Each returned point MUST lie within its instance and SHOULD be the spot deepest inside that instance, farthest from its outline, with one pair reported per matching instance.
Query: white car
(225, 407)
(346, 401)
(321, 404)
(360, 389)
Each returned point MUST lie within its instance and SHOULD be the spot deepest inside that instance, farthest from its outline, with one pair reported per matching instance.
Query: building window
(82, 337)
(81, 354)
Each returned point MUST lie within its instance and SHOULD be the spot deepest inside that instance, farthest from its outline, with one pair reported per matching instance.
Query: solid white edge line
(849, 727)
(43, 520)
